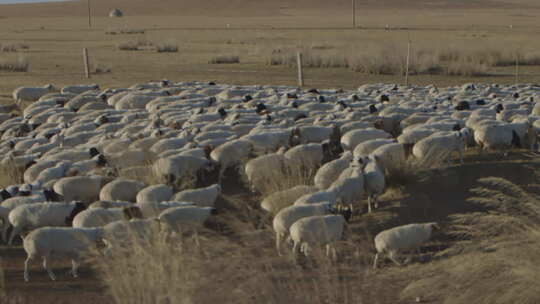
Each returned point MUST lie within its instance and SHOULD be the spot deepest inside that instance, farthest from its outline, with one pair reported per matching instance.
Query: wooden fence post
(517, 68)
(89, 14)
(408, 61)
(86, 63)
(300, 71)
(353, 13)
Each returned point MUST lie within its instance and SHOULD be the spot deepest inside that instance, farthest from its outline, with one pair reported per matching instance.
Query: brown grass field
(487, 253)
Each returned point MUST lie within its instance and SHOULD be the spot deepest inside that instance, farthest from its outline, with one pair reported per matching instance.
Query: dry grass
(13, 47)
(10, 175)
(125, 31)
(14, 64)
(135, 45)
(495, 256)
(240, 269)
(224, 59)
(391, 59)
(166, 47)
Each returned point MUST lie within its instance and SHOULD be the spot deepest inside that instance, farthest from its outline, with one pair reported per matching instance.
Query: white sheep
(288, 215)
(329, 172)
(121, 190)
(155, 193)
(231, 154)
(109, 204)
(439, 146)
(41, 215)
(78, 89)
(175, 168)
(318, 229)
(317, 197)
(349, 187)
(47, 242)
(365, 148)
(204, 197)
(308, 156)
(262, 169)
(407, 237)
(98, 217)
(374, 180)
(80, 188)
(390, 156)
(179, 218)
(31, 93)
(153, 209)
(281, 199)
(494, 137)
(353, 138)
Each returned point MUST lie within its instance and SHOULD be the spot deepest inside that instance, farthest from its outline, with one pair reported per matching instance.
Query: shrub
(225, 59)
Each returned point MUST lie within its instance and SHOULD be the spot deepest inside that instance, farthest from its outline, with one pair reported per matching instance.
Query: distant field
(55, 44)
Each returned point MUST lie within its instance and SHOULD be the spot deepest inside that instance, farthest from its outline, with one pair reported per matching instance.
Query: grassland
(467, 263)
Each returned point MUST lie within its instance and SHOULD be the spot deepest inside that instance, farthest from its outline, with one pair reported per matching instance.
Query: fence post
(353, 14)
(300, 71)
(86, 64)
(408, 61)
(517, 68)
(89, 14)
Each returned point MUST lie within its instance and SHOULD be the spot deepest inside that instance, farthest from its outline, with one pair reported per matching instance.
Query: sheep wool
(49, 241)
(393, 240)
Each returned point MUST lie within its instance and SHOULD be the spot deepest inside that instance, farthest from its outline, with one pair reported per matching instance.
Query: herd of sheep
(75, 145)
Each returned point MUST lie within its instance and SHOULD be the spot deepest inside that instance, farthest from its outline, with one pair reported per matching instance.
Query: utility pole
(353, 13)
(89, 15)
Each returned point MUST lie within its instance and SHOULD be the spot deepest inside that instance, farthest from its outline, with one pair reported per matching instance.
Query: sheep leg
(48, 268)
(328, 248)
(14, 232)
(26, 264)
(375, 201)
(375, 260)
(278, 243)
(5, 231)
(75, 268)
(369, 203)
(393, 257)
(296, 248)
(196, 236)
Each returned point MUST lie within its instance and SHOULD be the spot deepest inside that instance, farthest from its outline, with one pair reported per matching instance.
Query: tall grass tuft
(166, 47)
(495, 255)
(224, 59)
(19, 64)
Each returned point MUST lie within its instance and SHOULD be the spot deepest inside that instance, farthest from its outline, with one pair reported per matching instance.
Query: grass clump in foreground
(12, 64)
(495, 256)
(135, 45)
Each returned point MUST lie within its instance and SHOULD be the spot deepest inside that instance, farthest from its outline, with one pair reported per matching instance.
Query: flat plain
(258, 32)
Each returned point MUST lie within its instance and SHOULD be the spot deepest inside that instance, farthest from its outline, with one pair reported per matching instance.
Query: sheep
(78, 89)
(317, 229)
(262, 169)
(153, 209)
(109, 204)
(365, 148)
(439, 146)
(281, 199)
(390, 156)
(231, 154)
(97, 217)
(179, 218)
(288, 215)
(330, 171)
(53, 173)
(43, 214)
(121, 190)
(31, 93)
(174, 168)
(155, 193)
(308, 156)
(317, 197)
(374, 180)
(349, 187)
(47, 242)
(204, 197)
(406, 237)
(351, 139)
(81, 188)
(492, 137)
(121, 233)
